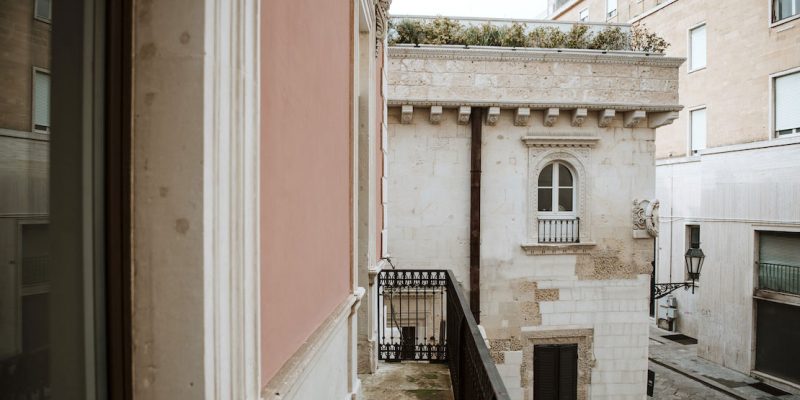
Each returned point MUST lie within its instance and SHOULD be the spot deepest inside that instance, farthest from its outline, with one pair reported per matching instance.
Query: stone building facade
(731, 173)
(577, 274)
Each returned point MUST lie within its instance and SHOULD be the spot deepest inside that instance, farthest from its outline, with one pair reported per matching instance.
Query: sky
(519, 9)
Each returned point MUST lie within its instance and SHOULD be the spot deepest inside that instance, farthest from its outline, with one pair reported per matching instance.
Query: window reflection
(24, 160)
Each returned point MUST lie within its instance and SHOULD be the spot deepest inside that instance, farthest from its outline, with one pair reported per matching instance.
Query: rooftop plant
(442, 30)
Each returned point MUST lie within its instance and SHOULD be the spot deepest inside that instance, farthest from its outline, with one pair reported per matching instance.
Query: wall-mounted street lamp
(694, 263)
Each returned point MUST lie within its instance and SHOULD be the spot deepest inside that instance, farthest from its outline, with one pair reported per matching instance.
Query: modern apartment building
(726, 173)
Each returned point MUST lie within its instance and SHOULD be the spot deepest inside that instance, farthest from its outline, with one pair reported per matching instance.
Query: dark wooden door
(555, 372)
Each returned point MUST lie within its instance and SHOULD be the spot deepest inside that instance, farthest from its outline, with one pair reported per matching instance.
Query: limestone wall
(593, 293)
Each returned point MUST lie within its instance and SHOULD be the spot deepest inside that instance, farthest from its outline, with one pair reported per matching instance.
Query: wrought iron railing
(424, 316)
(559, 229)
(779, 277)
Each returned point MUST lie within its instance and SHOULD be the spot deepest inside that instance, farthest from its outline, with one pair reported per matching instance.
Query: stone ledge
(536, 105)
(533, 249)
(560, 141)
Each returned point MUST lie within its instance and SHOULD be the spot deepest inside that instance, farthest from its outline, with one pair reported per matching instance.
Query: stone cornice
(534, 249)
(539, 105)
(485, 53)
(560, 141)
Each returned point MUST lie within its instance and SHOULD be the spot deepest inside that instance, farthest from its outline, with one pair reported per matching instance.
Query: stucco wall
(305, 171)
(730, 195)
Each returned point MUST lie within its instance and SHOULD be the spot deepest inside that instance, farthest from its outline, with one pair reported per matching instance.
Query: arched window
(556, 188)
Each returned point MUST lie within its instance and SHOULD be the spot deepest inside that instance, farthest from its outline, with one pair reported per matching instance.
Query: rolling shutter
(787, 102)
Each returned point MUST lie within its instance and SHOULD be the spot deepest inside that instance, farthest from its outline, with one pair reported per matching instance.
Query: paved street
(671, 385)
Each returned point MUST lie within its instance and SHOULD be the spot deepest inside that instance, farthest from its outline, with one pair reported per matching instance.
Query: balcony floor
(408, 381)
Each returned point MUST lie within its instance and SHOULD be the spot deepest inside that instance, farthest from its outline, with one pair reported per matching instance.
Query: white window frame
(689, 57)
(772, 24)
(609, 12)
(773, 134)
(36, 12)
(555, 188)
(34, 71)
(581, 17)
(689, 141)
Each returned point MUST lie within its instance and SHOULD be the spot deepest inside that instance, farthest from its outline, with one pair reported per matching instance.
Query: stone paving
(675, 363)
(407, 381)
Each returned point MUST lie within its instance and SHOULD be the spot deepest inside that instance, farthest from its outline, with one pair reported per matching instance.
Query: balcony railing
(779, 277)
(559, 229)
(424, 316)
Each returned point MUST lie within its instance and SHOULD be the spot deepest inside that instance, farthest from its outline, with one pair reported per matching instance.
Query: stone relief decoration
(406, 114)
(645, 218)
(381, 22)
(493, 116)
(522, 115)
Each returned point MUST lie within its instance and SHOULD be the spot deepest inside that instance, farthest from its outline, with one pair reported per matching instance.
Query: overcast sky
(521, 9)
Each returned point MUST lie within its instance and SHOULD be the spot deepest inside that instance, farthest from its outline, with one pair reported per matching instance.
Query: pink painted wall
(305, 170)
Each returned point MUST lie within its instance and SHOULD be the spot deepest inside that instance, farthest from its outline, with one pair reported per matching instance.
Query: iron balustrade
(424, 316)
(779, 277)
(559, 229)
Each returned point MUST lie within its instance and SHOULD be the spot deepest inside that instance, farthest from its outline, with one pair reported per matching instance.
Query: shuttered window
(779, 262)
(698, 133)
(41, 101)
(555, 372)
(697, 54)
(787, 104)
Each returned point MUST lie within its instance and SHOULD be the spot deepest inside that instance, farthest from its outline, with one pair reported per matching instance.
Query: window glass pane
(698, 136)
(546, 176)
(786, 8)
(41, 101)
(584, 14)
(787, 102)
(545, 199)
(698, 55)
(564, 176)
(612, 6)
(565, 199)
(43, 9)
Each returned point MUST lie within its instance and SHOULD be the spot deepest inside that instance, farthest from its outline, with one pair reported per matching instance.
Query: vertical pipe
(475, 215)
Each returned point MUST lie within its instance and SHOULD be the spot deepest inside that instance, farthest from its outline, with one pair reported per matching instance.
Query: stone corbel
(606, 116)
(550, 116)
(406, 114)
(522, 116)
(493, 116)
(463, 114)
(578, 116)
(657, 120)
(436, 114)
(632, 118)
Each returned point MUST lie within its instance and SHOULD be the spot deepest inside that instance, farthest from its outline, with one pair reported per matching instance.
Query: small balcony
(559, 229)
(428, 341)
(779, 278)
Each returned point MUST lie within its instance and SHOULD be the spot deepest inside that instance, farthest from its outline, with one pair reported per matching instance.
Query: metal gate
(411, 315)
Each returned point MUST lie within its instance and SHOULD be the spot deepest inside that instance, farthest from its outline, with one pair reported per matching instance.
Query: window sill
(778, 297)
(691, 71)
(535, 249)
(785, 20)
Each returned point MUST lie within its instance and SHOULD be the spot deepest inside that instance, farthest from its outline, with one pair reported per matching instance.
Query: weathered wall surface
(305, 171)
(594, 293)
(442, 75)
(726, 193)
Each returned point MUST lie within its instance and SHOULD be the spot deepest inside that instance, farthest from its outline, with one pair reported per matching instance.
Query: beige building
(726, 170)
(561, 264)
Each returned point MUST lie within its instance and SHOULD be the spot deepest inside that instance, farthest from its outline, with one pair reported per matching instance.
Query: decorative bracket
(522, 116)
(493, 116)
(406, 114)
(606, 116)
(632, 118)
(578, 116)
(645, 218)
(436, 114)
(550, 116)
(662, 289)
(657, 120)
(463, 114)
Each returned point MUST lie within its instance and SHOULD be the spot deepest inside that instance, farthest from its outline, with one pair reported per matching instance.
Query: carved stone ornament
(550, 116)
(381, 22)
(406, 114)
(436, 114)
(463, 114)
(493, 116)
(645, 218)
(522, 116)
(578, 116)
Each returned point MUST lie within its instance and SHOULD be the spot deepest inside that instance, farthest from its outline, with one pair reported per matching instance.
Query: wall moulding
(539, 105)
(560, 141)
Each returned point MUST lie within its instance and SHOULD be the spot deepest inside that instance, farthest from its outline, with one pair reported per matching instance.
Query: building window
(779, 262)
(41, 101)
(787, 106)
(584, 15)
(783, 9)
(556, 188)
(697, 48)
(555, 371)
(611, 6)
(697, 134)
(43, 10)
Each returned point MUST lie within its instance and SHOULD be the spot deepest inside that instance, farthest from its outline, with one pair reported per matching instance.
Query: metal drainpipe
(475, 215)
